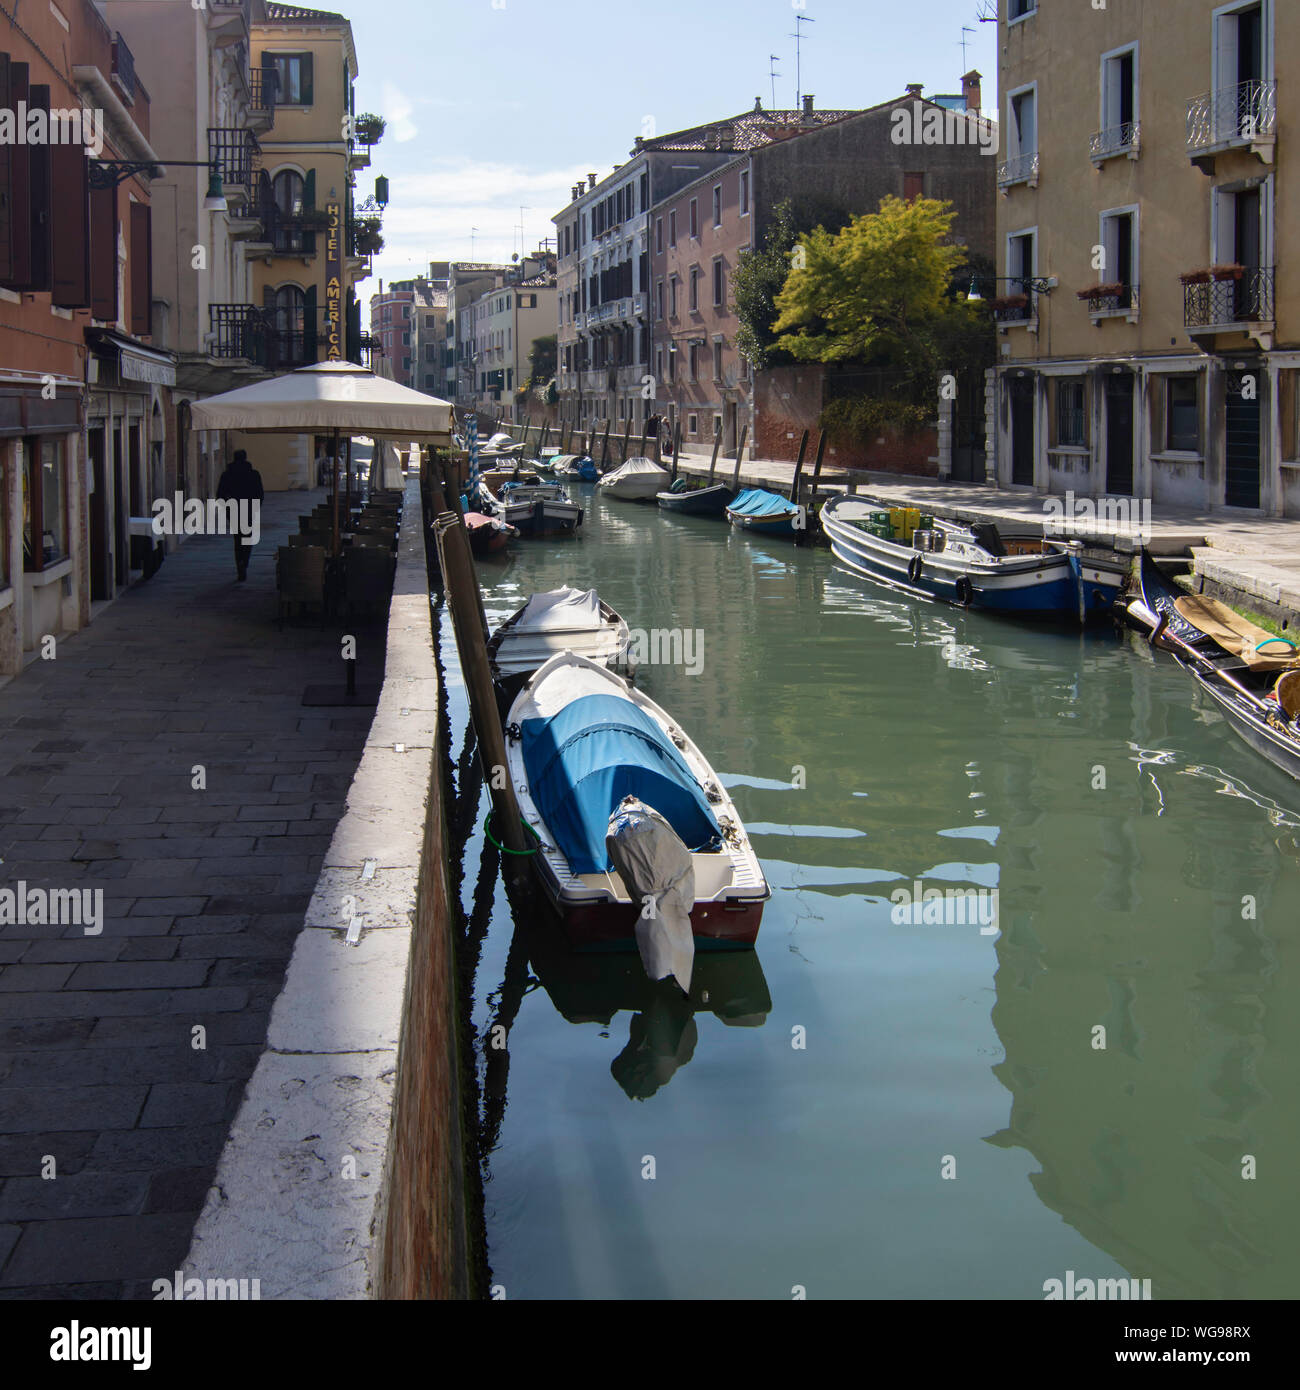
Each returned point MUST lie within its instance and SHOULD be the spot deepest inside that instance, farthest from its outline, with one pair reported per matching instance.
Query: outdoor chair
(367, 578)
(300, 578)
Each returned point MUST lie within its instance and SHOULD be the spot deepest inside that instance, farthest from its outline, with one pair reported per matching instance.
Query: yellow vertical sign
(334, 283)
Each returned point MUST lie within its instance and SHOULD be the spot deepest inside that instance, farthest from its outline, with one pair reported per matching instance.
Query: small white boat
(638, 480)
(560, 620)
(534, 508)
(580, 743)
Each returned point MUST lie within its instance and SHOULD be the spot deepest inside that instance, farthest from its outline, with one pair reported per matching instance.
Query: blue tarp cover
(583, 761)
(755, 501)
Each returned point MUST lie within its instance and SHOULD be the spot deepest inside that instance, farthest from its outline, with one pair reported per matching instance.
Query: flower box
(1196, 277)
(1227, 272)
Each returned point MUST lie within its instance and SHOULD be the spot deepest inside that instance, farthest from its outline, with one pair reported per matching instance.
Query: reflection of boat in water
(588, 987)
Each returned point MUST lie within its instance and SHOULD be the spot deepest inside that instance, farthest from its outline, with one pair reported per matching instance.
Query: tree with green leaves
(542, 359)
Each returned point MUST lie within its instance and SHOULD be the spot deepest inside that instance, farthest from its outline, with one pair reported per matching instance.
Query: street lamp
(108, 173)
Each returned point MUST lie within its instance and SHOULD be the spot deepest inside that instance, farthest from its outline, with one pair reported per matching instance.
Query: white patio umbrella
(328, 396)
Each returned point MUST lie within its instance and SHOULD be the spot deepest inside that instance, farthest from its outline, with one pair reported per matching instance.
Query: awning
(135, 361)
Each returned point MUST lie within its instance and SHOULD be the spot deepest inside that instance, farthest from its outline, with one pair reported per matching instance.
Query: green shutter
(307, 94)
(310, 311)
(309, 191)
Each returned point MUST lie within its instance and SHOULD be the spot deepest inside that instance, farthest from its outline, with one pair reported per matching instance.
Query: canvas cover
(635, 466)
(757, 501)
(564, 608)
(582, 762)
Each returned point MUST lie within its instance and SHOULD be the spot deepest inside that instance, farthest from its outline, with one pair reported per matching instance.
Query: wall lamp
(108, 173)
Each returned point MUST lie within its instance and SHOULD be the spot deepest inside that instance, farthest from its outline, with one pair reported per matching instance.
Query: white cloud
(398, 112)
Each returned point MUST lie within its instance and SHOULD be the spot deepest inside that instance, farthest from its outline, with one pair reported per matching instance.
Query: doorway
(1119, 434)
(1022, 430)
(101, 550)
(1242, 443)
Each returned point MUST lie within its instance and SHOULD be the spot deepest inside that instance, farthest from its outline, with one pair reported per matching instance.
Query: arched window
(289, 190)
(290, 310)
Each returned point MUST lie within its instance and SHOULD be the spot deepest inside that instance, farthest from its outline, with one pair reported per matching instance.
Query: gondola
(1252, 676)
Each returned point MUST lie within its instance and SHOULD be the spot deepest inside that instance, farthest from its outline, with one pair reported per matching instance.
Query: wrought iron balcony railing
(238, 155)
(124, 67)
(1224, 302)
(1020, 168)
(1238, 115)
(1116, 140)
(239, 330)
(263, 85)
(1125, 300)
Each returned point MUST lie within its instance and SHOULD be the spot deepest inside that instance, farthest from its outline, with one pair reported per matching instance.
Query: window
(717, 208)
(913, 187)
(1018, 9)
(1021, 258)
(744, 192)
(659, 299)
(45, 504)
(1119, 243)
(1022, 138)
(717, 359)
(694, 356)
(672, 228)
(692, 424)
(294, 74)
(695, 288)
(659, 236)
(1182, 415)
(672, 298)
(695, 217)
(719, 284)
(1071, 416)
(1118, 101)
(672, 362)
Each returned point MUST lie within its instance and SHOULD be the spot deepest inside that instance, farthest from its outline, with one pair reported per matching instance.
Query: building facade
(467, 281)
(506, 321)
(82, 389)
(391, 328)
(1150, 344)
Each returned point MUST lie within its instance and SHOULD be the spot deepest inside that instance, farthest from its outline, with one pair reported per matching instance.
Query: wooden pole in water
(717, 444)
(677, 446)
(465, 602)
(546, 430)
(604, 449)
(627, 435)
(798, 469)
(817, 465)
(645, 433)
(740, 454)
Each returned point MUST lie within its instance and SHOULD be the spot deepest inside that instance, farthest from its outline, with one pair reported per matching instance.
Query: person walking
(241, 482)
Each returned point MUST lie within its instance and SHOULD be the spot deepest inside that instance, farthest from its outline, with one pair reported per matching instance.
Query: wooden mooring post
(677, 446)
(798, 469)
(604, 449)
(717, 444)
(740, 454)
(627, 435)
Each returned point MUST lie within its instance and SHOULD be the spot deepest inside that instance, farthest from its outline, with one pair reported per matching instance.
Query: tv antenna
(797, 36)
(965, 43)
(522, 210)
(473, 232)
(772, 72)
(988, 12)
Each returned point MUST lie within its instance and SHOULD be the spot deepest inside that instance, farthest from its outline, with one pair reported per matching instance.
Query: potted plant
(313, 220)
(1110, 291)
(1231, 271)
(1196, 277)
(1009, 303)
(367, 239)
(369, 128)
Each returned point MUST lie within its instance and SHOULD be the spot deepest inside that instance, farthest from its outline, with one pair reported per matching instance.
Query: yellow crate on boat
(898, 521)
(913, 521)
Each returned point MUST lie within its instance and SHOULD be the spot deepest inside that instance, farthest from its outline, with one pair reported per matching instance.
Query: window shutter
(41, 220)
(309, 324)
(307, 82)
(71, 203)
(141, 270)
(103, 254)
(309, 191)
(6, 183)
(19, 202)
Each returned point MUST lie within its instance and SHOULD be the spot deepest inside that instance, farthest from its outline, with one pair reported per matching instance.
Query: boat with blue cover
(765, 513)
(976, 566)
(577, 466)
(580, 743)
(685, 500)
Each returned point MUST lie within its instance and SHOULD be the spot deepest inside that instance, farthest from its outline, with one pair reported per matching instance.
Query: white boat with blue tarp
(765, 513)
(580, 743)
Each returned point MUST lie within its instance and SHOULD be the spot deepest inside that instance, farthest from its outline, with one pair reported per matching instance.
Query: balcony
(263, 84)
(1020, 168)
(238, 155)
(1112, 301)
(238, 331)
(1227, 303)
(1118, 140)
(124, 69)
(1243, 117)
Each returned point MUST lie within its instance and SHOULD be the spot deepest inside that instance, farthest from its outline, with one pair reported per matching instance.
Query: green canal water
(868, 1108)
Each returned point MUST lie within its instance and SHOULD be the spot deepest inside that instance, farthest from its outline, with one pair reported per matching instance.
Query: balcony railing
(1123, 301)
(1222, 303)
(238, 155)
(263, 84)
(1117, 140)
(124, 68)
(239, 330)
(1020, 168)
(1239, 115)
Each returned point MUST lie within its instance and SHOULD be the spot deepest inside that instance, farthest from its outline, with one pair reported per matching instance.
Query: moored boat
(973, 567)
(488, 534)
(577, 466)
(559, 620)
(765, 513)
(1253, 676)
(638, 480)
(580, 743)
(536, 508)
(712, 500)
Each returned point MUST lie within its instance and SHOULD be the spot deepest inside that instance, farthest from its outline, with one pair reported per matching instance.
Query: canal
(1103, 1081)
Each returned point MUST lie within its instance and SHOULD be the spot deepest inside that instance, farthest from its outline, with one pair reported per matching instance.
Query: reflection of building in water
(1142, 1144)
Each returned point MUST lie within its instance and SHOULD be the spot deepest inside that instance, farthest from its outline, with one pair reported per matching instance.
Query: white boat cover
(659, 874)
(570, 609)
(500, 441)
(634, 467)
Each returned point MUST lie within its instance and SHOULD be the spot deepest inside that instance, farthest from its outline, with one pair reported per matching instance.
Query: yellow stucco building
(1149, 310)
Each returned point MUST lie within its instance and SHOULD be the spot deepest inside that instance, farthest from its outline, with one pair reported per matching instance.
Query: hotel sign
(334, 283)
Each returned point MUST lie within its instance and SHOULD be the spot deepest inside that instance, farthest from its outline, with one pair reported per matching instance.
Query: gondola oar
(1158, 625)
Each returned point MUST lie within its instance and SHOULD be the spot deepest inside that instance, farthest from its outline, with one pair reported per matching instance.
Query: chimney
(914, 90)
(758, 103)
(640, 140)
(591, 180)
(970, 86)
(807, 106)
(574, 193)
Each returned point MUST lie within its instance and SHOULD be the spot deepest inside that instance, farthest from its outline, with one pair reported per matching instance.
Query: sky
(497, 105)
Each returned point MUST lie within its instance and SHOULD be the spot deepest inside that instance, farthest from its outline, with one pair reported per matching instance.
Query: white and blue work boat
(535, 508)
(977, 566)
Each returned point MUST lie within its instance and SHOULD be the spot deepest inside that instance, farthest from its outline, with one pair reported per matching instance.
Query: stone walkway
(204, 890)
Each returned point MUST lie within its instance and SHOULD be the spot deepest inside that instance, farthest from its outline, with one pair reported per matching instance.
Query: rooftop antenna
(473, 232)
(522, 210)
(987, 12)
(772, 72)
(797, 36)
(965, 42)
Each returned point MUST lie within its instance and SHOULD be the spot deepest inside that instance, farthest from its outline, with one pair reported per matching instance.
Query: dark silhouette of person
(241, 482)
